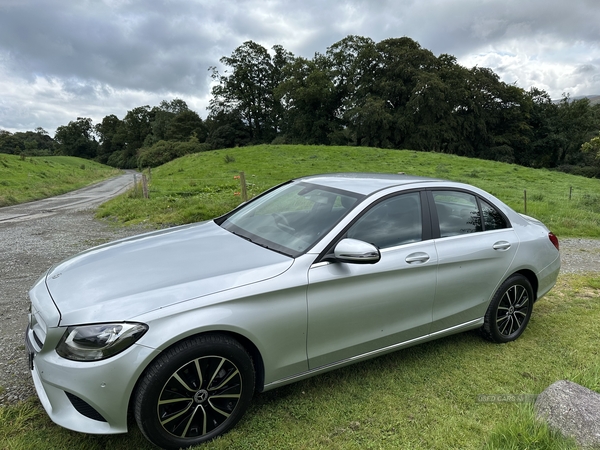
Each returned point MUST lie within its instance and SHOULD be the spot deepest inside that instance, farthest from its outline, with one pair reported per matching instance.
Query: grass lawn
(202, 186)
(424, 397)
(33, 178)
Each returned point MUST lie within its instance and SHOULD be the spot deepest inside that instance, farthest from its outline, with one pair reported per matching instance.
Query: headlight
(99, 341)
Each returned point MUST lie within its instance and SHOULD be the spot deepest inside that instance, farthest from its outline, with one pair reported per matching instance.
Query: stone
(573, 410)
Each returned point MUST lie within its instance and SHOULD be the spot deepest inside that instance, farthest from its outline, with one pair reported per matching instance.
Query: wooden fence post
(134, 185)
(144, 186)
(525, 199)
(244, 190)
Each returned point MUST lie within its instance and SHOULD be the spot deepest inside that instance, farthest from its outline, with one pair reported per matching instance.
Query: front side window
(391, 222)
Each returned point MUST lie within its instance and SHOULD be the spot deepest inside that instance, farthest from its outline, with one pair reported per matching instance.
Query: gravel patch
(29, 248)
(579, 255)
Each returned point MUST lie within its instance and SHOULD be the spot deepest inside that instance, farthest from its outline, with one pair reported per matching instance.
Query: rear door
(475, 248)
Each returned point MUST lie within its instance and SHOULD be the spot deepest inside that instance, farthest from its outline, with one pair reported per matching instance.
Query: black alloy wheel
(509, 311)
(196, 391)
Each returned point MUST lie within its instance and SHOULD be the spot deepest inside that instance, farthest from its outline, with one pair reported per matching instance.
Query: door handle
(501, 245)
(417, 258)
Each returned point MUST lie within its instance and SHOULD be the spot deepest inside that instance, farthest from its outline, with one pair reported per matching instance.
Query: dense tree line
(390, 94)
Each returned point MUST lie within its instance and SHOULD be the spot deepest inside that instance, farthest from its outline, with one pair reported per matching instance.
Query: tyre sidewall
(156, 376)
(490, 327)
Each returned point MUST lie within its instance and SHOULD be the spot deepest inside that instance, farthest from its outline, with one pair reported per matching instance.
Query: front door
(354, 309)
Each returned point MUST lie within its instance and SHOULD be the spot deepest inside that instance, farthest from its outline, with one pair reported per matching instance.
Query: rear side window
(459, 213)
(492, 218)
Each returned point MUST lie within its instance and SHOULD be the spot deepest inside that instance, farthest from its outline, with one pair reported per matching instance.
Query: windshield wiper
(243, 237)
(260, 244)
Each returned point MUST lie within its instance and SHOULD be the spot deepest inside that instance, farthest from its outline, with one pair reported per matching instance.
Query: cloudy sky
(63, 59)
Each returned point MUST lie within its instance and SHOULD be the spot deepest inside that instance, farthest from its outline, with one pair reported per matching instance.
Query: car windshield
(291, 218)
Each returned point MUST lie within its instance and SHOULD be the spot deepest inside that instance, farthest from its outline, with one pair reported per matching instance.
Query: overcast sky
(63, 59)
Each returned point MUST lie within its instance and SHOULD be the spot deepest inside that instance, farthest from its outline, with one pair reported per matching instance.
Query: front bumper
(88, 397)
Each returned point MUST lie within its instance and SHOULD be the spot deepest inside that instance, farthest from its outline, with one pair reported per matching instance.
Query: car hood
(126, 278)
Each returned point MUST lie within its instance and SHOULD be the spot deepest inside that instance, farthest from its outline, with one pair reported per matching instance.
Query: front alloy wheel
(194, 392)
(509, 311)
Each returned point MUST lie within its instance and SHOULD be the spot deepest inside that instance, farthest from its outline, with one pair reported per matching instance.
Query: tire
(509, 311)
(195, 391)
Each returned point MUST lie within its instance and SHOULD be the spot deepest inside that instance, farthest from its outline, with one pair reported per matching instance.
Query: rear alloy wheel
(196, 391)
(509, 311)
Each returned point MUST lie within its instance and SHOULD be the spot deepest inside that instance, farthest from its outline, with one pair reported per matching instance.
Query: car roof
(365, 183)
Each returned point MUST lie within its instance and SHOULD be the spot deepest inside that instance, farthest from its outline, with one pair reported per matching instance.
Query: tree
(32, 143)
(577, 122)
(136, 126)
(307, 96)
(226, 130)
(375, 82)
(9, 143)
(352, 64)
(248, 92)
(593, 145)
(162, 117)
(175, 106)
(107, 133)
(184, 125)
(77, 139)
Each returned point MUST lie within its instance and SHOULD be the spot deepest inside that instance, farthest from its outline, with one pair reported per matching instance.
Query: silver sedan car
(181, 327)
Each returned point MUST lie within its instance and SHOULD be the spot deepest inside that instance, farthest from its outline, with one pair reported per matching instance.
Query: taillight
(553, 239)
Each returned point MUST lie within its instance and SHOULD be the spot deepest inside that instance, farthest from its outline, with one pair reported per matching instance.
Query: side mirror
(357, 252)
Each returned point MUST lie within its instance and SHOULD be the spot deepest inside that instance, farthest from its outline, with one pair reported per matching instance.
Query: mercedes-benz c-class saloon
(180, 328)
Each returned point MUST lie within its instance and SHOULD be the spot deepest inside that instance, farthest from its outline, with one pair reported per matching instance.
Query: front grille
(84, 408)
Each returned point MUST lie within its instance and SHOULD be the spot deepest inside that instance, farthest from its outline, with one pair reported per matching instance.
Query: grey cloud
(138, 50)
(586, 69)
(82, 57)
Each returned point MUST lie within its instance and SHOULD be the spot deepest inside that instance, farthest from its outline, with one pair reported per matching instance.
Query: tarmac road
(88, 197)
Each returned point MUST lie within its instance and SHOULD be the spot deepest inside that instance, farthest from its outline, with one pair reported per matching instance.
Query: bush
(121, 160)
(282, 139)
(584, 171)
(164, 151)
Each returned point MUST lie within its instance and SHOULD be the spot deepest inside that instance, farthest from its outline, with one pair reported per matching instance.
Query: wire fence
(247, 186)
(238, 185)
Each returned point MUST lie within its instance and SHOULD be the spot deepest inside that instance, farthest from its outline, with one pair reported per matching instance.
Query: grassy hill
(203, 185)
(33, 178)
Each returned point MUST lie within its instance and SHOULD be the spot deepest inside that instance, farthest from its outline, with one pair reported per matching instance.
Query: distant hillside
(594, 99)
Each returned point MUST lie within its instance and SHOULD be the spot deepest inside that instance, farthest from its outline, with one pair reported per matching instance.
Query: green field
(32, 178)
(202, 186)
